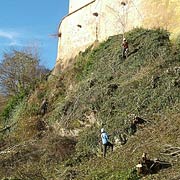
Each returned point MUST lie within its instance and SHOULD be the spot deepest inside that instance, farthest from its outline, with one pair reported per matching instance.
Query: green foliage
(84, 64)
(88, 141)
(109, 91)
(133, 175)
(11, 179)
(41, 95)
(33, 109)
(114, 88)
(11, 105)
(133, 92)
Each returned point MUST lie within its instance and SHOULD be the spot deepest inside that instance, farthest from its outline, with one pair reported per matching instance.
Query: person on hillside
(44, 106)
(148, 166)
(143, 168)
(135, 123)
(105, 142)
(125, 48)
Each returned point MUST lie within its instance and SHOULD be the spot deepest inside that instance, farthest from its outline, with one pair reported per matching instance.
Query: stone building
(92, 21)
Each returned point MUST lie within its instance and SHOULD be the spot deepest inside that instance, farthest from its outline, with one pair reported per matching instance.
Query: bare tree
(19, 71)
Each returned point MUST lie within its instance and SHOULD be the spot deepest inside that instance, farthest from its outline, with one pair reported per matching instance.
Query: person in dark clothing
(44, 105)
(105, 142)
(132, 128)
(143, 168)
(137, 121)
(148, 166)
(125, 47)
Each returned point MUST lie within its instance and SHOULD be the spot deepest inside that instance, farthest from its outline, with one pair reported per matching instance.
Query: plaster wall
(81, 29)
(76, 4)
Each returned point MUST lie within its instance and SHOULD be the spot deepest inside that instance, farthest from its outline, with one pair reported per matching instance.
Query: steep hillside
(100, 90)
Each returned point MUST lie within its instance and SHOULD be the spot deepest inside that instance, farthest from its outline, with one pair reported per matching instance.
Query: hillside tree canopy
(19, 70)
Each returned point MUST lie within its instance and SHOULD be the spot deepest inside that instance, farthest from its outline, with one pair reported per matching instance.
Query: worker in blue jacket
(105, 142)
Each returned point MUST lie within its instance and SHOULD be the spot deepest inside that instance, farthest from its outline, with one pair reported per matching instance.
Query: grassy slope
(152, 56)
(101, 86)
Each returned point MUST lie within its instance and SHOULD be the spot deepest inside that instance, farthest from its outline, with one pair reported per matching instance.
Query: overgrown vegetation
(20, 71)
(20, 74)
(11, 105)
(104, 90)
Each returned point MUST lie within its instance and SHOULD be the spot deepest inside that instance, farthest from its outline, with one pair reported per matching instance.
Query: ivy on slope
(112, 88)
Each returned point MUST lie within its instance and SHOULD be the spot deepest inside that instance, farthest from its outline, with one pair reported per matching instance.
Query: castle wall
(161, 13)
(76, 4)
(77, 32)
(81, 29)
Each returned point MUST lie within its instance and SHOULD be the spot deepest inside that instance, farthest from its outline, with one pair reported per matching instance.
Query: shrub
(12, 103)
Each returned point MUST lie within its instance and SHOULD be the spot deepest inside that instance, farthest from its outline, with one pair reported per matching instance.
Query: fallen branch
(12, 149)
(8, 127)
(171, 151)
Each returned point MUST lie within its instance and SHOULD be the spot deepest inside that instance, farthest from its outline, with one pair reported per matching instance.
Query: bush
(12, 103)
(88, 141)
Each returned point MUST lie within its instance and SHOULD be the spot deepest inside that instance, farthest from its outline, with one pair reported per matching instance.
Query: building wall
(76, 4)
(81, 29)
(161, 13)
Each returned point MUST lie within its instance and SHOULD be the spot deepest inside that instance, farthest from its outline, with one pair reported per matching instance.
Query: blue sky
(30, 23)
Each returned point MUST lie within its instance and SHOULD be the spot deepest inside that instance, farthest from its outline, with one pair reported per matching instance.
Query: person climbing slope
(43, 107)
(105, 142)
(125, 47)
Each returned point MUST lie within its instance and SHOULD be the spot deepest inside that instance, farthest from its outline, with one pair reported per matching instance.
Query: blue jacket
(104, 138)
